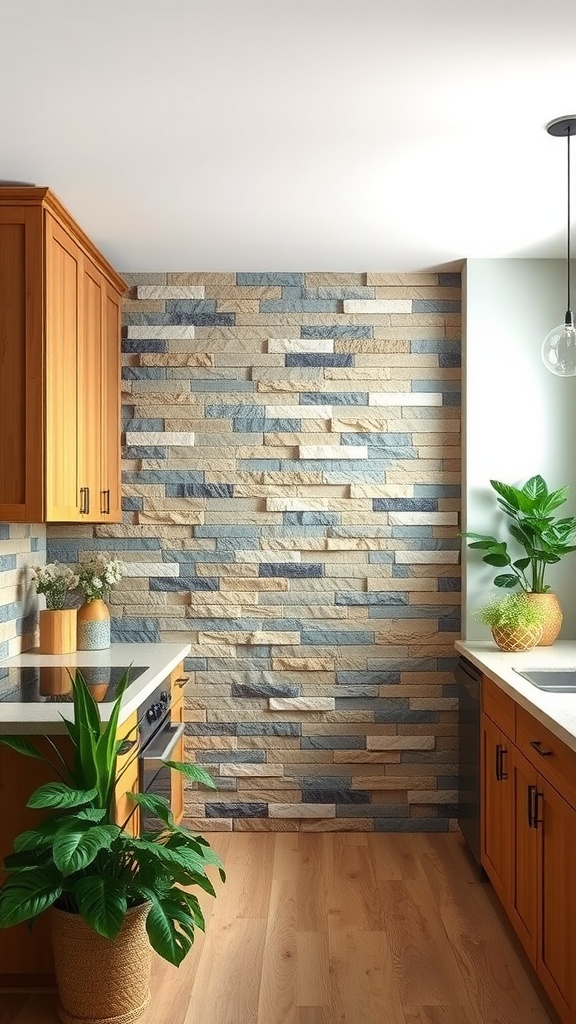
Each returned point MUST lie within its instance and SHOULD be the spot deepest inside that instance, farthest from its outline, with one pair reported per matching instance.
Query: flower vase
(551, 617)
(93, 626)
(57, 630)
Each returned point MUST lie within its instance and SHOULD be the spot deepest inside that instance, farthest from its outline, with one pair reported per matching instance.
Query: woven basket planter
(101, 981)
(551, 617)
(521, 638)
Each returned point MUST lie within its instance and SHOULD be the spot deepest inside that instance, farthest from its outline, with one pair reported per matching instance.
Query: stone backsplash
(291, 498)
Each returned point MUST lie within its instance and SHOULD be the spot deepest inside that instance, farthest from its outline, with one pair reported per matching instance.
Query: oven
(157, 738)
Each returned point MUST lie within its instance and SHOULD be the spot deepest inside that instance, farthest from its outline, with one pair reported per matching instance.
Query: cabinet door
(110, 497)
(557, 952)
(63, 330)
(523, 905)
(497, 821)
(177, 785)
(21, 365)
(90, 417)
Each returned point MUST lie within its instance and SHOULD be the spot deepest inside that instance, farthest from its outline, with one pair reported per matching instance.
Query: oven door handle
(152, 759)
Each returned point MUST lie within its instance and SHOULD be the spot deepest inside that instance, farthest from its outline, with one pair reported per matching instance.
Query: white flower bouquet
(54, 581)
(97, 577)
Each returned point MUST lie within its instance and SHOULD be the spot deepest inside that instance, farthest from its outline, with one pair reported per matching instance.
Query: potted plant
(57, 624)
(96, 578)
(112, 897)
(515, 621)
(543, 538)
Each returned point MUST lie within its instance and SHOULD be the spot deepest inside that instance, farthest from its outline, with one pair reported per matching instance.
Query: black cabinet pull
(105, 511)
(532, 790)
(84, 500)
(537, 744)
(498, 762)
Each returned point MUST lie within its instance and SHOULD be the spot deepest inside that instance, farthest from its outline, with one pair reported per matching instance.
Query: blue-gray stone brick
(377, 677)
(405, 717)
(335, 795)
(449, 361)
(144, 452)
(292, 570)
(264, 690)
(336, 637)
(144, 373)
(231, 756)
(332, 743)
(210, 729)
(431, 346)
(436, 491)
(200, 491)
(392, 453)
(132, 504)
(386, 440)
(291, 280)
(334, 331)
(177, 584)
(334, 398)
(133, 346)
(377, 597)
(449, 280)
(405, 505)
(312, 518)
(236, 810)
(164, 476)
(299, 305)
(190, 305)
(436, 306)
(319, 359)
(269, 729)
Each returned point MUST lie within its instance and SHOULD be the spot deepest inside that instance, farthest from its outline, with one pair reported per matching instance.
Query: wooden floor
(346, 928)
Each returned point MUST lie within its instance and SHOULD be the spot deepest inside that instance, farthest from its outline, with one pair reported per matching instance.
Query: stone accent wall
(291, 501)
(21, 546)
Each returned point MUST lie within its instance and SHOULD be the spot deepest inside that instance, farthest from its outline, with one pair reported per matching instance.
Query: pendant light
(559, 347)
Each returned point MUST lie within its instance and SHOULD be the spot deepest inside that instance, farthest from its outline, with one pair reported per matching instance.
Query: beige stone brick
(264, 825)
(301, 703)
(202, 825)
(420, 279)
(301, 810)
(170, 517)
(254, 637)
(338, 825)
(320, 664)
(417, 796)
(392, 782)
(250, 769)
(400, 742)
(366, 757)
(381, 490)
(252, 583)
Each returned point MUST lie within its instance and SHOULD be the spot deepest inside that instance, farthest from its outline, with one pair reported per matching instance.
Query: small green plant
(80, 860)
(513, 611)
(544, 539)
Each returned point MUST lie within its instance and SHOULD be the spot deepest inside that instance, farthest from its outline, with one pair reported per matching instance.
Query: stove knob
(165, 698)
(157, 709)
(150, 715)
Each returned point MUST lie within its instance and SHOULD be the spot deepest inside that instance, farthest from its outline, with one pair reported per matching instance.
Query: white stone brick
(333, 451)
(247, 770)
(268, 556)
(182, 439)
(319, 504)
(170, 291)
(299, 412)
(151, 569)
(300, 344)
(377, 305)
(423, 518)
(146, 331)
(404, 398)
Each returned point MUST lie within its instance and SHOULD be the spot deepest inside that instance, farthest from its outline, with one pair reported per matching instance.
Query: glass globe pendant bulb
(559, 349)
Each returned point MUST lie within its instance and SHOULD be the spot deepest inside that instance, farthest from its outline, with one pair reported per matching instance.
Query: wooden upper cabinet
(60, 305)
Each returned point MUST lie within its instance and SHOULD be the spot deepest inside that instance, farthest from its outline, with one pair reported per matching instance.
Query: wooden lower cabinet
(529, 854)
(497, 777)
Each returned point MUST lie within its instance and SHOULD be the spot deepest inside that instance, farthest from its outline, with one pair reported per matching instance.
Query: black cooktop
(53, 683)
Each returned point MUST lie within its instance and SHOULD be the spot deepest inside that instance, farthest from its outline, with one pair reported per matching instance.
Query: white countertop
(557, 711)
(46, 717)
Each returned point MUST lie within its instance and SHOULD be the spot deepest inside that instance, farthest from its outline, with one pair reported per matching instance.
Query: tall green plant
(544, 538)
(79, 859)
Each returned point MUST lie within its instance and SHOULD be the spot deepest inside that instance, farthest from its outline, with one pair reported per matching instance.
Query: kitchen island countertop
(45, 716)
(557, 711)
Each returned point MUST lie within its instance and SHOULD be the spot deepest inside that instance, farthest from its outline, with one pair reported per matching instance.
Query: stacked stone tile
(22, 546)
(291, 500)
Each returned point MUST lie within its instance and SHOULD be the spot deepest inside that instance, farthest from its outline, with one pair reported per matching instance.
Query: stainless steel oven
(157, 736)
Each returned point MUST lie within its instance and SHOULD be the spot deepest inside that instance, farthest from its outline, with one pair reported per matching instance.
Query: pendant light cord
(568, 231)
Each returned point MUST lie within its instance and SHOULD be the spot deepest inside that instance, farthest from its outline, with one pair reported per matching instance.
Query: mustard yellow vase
(551, 617)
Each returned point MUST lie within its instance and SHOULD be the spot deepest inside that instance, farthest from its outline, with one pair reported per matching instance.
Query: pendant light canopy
(559, 348)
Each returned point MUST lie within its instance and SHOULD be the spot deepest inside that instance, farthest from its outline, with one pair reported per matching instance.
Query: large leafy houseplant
(543, 538)
(78, 859)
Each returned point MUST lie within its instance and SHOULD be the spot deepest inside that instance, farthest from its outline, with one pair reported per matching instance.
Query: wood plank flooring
(345, 928)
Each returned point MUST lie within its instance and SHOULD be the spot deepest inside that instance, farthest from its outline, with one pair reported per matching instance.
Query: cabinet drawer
(552, 758)
(499, 707)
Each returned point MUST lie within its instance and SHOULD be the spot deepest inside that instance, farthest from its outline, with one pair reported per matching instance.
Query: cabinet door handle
(532, 808)
(84, 500)
(537, 744)
(181, 682)
(502, 774)
(105, 511)
(498, 762)
(126, 746)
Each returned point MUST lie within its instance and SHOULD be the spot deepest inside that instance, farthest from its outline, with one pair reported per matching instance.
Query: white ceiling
(294, 134)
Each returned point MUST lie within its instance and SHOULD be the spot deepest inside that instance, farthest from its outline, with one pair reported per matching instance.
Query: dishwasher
(469, 681)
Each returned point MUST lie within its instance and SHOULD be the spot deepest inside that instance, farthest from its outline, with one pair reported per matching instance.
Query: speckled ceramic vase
(551, 617)
(93, 626)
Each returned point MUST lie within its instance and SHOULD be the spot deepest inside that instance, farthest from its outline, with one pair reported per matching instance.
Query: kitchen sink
(553, 680)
